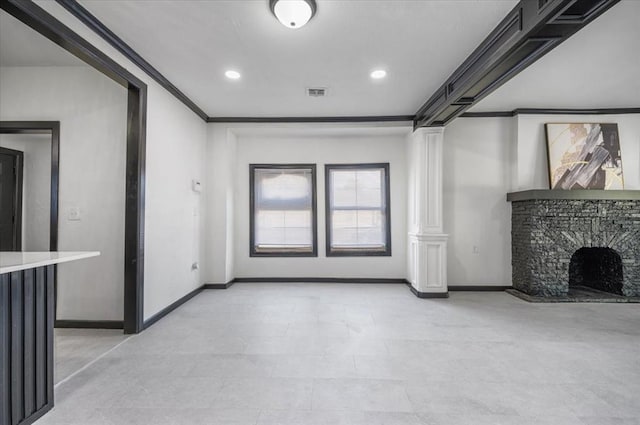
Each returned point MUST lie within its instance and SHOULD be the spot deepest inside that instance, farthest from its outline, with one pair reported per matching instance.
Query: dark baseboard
(315, 280)
(219, 285)
(427, 294)
(168, 309)
(479, 288)
(89, 324)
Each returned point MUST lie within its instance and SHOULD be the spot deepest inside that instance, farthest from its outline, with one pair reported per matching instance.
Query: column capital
(430, 130)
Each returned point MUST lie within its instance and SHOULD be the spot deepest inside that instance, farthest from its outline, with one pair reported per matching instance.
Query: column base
(428, 264)
(427, 294)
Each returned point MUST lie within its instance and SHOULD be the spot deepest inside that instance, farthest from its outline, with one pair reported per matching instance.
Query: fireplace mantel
(532, 195)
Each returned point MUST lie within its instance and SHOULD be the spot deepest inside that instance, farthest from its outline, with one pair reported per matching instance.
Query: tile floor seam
(85, 367)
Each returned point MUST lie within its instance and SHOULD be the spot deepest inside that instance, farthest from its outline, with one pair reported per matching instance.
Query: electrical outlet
(476, 250)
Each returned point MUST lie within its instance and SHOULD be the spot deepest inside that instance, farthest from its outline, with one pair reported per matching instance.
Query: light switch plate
(73, 214)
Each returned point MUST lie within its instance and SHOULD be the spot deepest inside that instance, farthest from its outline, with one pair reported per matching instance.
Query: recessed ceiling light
(378, 74)
(232, 75)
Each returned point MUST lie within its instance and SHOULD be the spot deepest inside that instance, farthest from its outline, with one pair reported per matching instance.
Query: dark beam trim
(527, 33)
(497, 114)
(168, 309)
(356, 119)
(82, 14)
(37, 18)
(89, 324)
(597, 111)
(551, 111)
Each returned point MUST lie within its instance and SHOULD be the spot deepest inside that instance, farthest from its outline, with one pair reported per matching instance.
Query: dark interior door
(11, 162)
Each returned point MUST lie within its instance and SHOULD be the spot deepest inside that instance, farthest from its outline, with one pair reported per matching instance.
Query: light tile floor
(338, 354)
(76, 348)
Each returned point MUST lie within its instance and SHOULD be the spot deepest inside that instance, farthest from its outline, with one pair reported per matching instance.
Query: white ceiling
(23, 46)
(192, 43)
(598, 67)
(419, 43)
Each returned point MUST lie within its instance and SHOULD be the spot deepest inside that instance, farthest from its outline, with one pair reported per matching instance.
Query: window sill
(282, 253)
(359, 253)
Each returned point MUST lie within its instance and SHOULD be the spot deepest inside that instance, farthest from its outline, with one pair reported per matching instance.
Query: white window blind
(357, 204)
(283, 210)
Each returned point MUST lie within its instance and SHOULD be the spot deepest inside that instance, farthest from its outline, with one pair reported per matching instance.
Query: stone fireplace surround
(549, 226)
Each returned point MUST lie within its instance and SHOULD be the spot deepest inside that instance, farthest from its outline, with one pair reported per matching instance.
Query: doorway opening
(11, 178)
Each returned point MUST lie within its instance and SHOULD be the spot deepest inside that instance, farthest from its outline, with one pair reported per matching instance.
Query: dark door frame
(53, 129)
(17, 223)
(37, 18)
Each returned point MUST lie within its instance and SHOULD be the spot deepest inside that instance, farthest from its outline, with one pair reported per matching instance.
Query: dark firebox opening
(598, 268)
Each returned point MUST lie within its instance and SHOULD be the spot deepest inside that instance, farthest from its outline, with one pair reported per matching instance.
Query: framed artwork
(584, 156)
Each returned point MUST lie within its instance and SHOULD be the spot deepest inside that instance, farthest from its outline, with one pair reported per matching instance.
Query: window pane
(358, 210)
(357, 188)
(353, 228)
(280, 188)
(371, 228)
(344, 230)
(283, 203)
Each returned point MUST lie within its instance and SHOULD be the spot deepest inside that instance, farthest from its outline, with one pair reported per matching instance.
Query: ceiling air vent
(316, 92)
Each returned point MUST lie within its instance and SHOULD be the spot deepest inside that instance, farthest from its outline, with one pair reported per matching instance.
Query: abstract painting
(584, 156)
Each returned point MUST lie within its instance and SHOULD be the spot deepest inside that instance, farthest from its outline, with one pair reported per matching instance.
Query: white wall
(221, 163)
(176, 140)
(484, 159)
(301, 144)
(36, 187)
(174, 212)
(532, 171)
(477, 216)
(92, 113)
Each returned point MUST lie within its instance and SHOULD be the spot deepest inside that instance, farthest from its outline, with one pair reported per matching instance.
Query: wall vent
(316, 91)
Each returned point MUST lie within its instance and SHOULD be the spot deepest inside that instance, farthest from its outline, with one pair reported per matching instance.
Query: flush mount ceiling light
(293, 13)
(232, 75)
(378, 74)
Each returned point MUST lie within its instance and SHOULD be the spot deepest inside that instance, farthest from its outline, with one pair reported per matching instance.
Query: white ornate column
(427, 251)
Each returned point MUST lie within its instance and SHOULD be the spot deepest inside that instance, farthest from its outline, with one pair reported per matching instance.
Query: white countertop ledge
(11, 261)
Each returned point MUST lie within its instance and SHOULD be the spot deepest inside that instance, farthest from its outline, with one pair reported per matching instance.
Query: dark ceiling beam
(532, 29)
(352, 119)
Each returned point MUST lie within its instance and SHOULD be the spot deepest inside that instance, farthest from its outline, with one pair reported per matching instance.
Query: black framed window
(357, 209)
(283, 210)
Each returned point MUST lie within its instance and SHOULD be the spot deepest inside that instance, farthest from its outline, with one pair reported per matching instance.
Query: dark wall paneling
(26, 345)
(5, 349)
(530, 30)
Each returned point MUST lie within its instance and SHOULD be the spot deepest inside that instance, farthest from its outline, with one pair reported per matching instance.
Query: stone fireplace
(578, 239)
